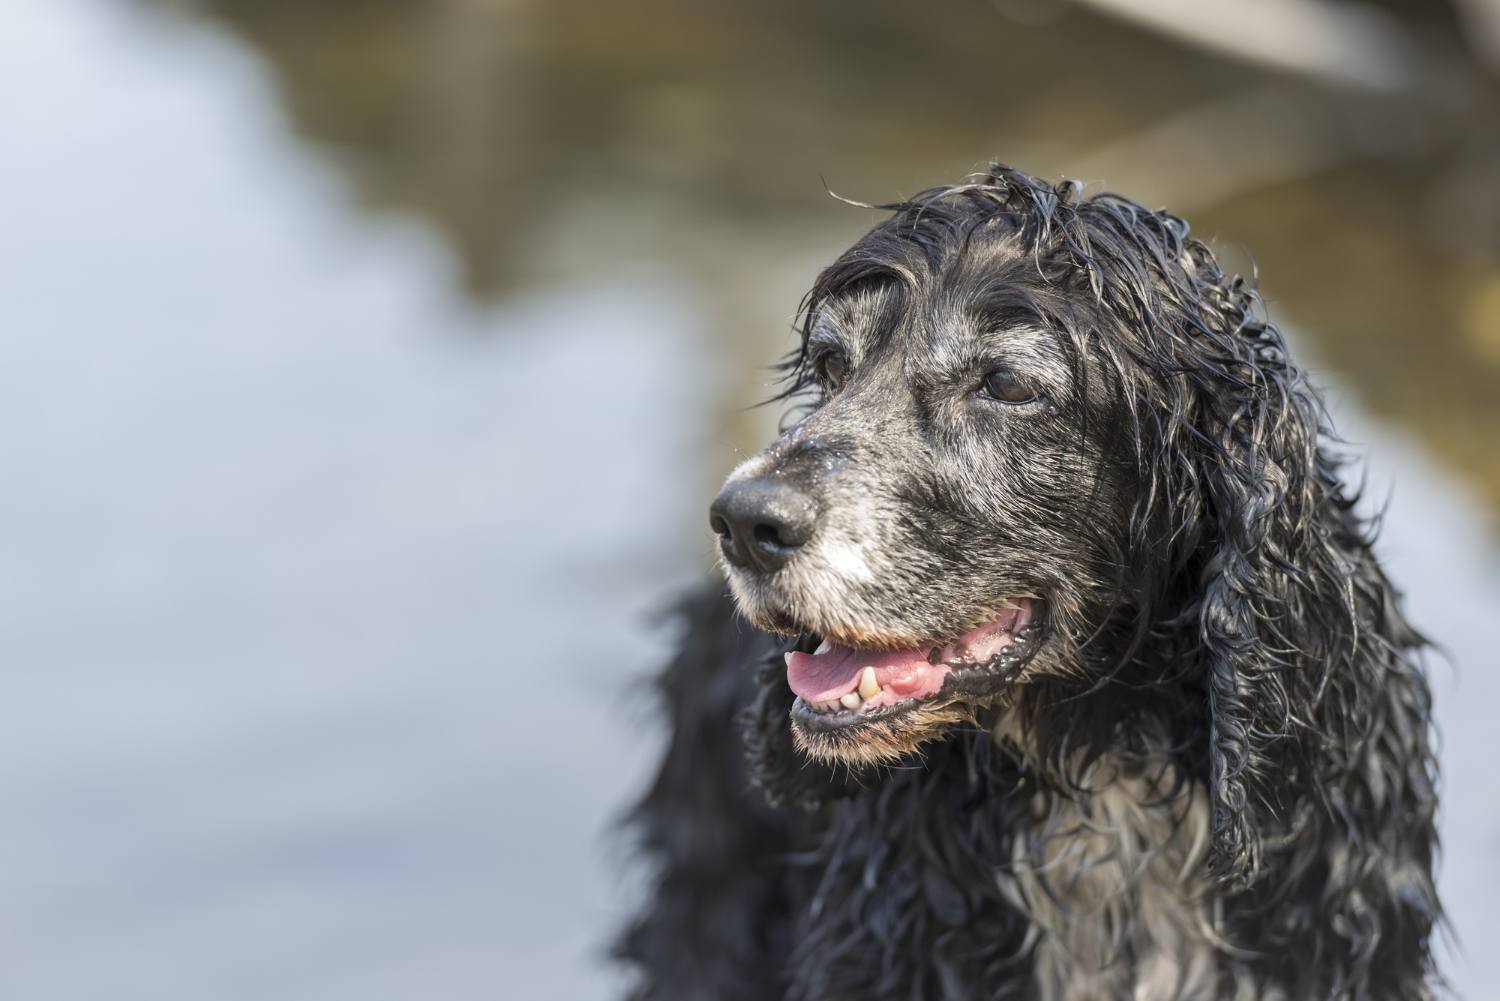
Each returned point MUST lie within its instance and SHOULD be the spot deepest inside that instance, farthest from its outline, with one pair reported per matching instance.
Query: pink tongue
(834, 671)
(826, 677)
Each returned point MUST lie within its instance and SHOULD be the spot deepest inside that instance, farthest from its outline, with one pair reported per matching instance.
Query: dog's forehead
(858, 319)
(937, 324)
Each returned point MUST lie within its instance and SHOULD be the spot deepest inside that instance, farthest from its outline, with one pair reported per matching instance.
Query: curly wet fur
(1217, 782)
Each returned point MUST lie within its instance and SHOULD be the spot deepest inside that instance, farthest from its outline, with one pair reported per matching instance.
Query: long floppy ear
(1303, 652)
(1318, 711)
(1252, 513)
(1275, 617)
(1266, 552)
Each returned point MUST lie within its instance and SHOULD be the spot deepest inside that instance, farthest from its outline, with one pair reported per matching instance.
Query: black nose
(761, 522)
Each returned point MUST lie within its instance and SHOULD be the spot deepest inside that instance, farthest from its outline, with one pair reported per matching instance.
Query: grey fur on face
(960, 446)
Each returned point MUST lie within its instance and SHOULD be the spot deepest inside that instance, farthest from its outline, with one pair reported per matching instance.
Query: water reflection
(564, 137)
(291, 550)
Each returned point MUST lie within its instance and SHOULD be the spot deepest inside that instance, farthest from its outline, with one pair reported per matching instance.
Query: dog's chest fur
(1112, 880)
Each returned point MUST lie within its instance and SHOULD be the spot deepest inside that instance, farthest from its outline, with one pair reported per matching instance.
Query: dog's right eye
(830, 367)
(1007, 388)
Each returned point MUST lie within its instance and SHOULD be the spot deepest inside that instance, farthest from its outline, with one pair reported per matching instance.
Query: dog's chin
(860, 706)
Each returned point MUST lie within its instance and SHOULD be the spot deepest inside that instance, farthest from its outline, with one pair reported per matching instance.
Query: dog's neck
(1110, 872)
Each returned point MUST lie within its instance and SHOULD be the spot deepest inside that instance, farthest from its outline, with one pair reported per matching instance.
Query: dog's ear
(1264, 577)
(1242, 507)
(1264, 547)
(1281, 588)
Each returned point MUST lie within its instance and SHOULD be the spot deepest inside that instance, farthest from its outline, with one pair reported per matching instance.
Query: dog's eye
(830, 365)
(1003, 385)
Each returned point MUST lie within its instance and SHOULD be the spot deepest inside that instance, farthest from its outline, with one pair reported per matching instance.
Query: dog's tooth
(868, 686)
(823, 648)
(850, 701)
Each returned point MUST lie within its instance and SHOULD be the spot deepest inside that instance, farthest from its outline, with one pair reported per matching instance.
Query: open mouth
(837, 686)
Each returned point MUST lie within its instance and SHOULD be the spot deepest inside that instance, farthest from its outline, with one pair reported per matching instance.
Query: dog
(1057, 663)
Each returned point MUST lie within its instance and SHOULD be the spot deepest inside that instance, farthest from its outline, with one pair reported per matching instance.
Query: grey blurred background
(366, 365)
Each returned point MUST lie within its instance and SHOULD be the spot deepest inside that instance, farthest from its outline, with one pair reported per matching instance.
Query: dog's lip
(872, 679)
(972, 683)
(826, 721)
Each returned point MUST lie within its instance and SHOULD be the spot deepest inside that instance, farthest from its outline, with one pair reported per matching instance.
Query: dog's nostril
(768, 536)
(760, 523)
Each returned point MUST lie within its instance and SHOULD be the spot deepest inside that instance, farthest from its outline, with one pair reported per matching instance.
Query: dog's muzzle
(762, 522)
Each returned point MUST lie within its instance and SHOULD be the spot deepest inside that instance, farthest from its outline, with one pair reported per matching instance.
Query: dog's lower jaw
(880, 740)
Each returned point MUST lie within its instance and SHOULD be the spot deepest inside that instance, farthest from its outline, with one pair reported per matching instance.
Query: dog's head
(1037, 427)
(949, 513)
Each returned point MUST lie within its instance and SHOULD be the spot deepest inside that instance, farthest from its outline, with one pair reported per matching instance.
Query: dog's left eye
(830, 366)
(1004, 386)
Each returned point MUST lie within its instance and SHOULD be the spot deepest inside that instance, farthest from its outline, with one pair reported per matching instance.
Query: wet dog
(1071, 673)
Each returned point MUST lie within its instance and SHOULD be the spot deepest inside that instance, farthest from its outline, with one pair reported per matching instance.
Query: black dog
(1084, 683)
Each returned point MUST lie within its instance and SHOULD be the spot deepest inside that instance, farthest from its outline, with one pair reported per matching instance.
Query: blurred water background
(366, 365)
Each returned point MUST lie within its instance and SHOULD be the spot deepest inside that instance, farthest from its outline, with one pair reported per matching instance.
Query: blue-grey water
(324, 595)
